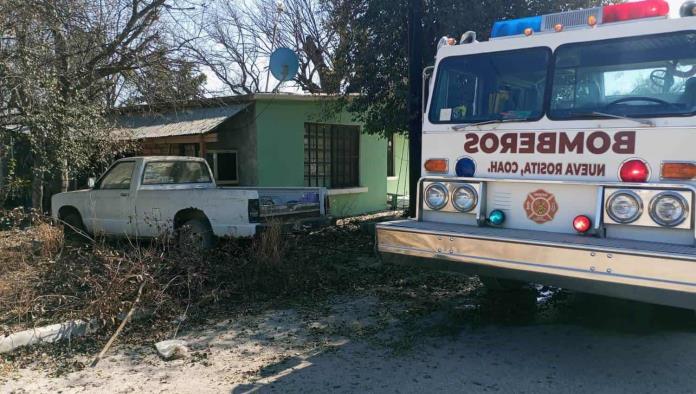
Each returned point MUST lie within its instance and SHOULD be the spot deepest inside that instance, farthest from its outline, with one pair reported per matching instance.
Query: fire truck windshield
(634, 77)
(491, 86)
(648, 76)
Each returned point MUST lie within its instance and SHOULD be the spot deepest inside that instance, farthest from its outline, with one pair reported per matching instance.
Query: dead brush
(47, 240)
(27, 247)
(102, 279)
(269, 248)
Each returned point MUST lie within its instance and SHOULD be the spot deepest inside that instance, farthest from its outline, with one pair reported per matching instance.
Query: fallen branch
(120, 327)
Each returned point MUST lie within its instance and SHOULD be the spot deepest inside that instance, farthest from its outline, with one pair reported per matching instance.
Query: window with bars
(331, 155)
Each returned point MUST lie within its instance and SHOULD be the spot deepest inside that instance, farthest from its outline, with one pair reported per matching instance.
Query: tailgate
(288, 203)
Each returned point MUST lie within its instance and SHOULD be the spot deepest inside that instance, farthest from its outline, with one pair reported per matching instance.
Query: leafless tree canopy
(235, 40)
(63, 64)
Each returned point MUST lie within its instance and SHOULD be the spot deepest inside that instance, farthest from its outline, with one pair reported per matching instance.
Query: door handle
(124, 194)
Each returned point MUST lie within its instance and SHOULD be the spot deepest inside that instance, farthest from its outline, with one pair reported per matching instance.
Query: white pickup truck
(145, 197)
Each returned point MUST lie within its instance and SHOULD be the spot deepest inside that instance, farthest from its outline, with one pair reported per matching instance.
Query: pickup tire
(196, 232)
(72, 221)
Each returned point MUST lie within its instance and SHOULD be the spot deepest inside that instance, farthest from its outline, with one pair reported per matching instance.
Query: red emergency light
(637, 10)
(582, 224)
(634, 170)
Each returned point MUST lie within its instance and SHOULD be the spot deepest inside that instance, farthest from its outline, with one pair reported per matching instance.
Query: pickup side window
(175, 172)
(118, 177)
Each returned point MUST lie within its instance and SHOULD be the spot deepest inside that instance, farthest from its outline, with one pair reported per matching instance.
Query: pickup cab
(146, 197)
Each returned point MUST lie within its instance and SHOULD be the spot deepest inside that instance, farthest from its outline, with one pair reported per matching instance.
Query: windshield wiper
(485, 122)
(614, 116)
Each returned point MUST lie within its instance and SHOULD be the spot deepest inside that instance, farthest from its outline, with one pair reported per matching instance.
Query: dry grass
(47, 280)
(24, 254)
(64, 280)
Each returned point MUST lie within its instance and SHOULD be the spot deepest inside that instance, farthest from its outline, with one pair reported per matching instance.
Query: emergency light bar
(581, 18)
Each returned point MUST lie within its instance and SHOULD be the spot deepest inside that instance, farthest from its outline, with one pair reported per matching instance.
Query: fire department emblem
(541, 206)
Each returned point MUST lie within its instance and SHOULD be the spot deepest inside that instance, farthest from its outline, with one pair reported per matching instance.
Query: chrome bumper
(651, 272)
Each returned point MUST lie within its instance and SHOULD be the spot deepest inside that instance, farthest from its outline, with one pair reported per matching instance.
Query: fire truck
(562, 151)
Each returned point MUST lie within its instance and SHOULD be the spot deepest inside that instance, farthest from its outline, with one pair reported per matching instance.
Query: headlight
(464, 198)
(669, 209)
(436, 196)
(624, 206)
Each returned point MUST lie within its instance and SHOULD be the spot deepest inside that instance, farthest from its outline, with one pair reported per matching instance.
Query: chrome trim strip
(588, 248)
(599, 212)
(531, 264)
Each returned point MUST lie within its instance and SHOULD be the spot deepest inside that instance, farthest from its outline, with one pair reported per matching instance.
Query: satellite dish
(284, 64)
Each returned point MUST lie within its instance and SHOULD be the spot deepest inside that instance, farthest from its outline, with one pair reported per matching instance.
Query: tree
(235, 40)
(58, 68)
(173, 80)
(372, 49)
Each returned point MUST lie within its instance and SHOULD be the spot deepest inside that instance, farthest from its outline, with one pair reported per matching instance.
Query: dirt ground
(356, 324)
(476, 342)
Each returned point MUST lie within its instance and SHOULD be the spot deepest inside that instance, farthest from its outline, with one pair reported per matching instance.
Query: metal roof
(187, 121)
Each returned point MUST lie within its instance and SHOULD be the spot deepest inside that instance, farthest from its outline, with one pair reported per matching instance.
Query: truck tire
(73, 226)
(196, 232)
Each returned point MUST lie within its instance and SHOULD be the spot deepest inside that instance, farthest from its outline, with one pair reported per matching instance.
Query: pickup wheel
(196, 232)
(73, 226)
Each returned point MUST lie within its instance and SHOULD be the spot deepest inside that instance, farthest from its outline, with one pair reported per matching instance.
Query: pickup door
(110, 203)
(168, 186)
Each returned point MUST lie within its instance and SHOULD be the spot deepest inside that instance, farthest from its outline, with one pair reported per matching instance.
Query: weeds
(47, 279)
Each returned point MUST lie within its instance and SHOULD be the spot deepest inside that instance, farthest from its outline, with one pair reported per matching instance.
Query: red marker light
(582, 224)
(635, 10)
(634, 170)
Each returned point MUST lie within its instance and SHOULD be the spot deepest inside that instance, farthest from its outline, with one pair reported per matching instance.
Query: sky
(214, 85)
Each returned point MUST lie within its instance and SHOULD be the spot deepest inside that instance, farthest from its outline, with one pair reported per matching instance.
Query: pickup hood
(578, 154)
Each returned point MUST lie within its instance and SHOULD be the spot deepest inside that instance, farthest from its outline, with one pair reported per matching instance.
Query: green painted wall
(398, 184)
(280, 152)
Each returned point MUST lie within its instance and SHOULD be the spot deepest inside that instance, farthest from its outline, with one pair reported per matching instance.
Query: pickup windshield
(646, 76)
(491, 86)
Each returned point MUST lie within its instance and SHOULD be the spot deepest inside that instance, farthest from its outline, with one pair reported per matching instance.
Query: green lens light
(496, 217)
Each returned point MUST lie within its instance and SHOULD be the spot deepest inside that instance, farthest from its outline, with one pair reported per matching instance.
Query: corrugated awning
(188, 121)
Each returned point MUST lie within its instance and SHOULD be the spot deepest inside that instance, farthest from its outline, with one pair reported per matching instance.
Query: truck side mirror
(91, 182)
(427, 74)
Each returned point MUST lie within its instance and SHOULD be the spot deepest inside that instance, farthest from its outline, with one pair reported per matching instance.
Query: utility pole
(415, 81)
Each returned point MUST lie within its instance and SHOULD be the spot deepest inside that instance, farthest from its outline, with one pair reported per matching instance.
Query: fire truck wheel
(498, 284)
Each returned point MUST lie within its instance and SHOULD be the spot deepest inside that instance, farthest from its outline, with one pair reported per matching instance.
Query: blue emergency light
(514, 27)
(583, 18)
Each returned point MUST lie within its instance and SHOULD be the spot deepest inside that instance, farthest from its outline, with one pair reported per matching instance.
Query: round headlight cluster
(669, 209)
(464, 198)
(624, 206)
(436, 196)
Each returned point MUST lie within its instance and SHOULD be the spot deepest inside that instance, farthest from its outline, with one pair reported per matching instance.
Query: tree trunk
(64, 177)
(3, 192)
(37, 186)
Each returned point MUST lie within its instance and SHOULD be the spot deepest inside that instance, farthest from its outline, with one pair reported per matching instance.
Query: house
(279, 140)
